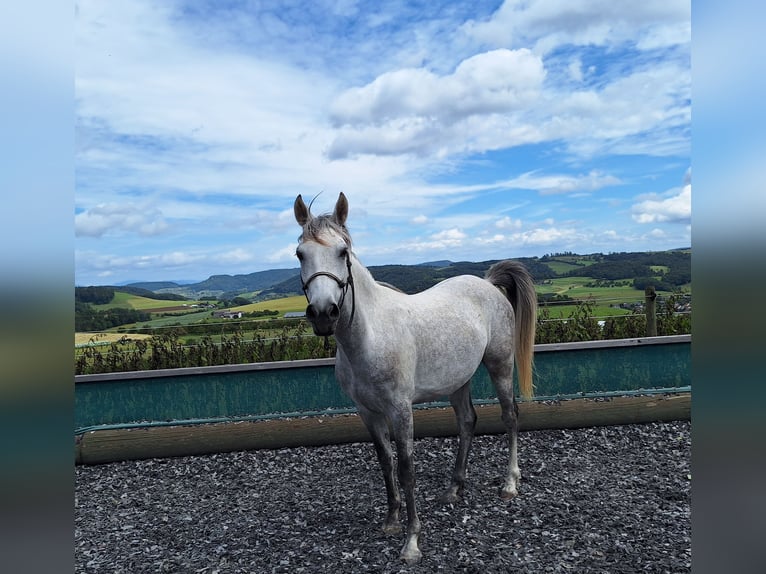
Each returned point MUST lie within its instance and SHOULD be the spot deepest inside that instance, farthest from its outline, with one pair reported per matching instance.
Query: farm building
(227, 314)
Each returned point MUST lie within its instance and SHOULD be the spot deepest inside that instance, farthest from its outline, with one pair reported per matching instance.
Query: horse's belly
(433, 381)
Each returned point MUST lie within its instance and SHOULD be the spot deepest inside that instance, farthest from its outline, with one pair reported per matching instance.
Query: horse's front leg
(402, 427)
(378, 429)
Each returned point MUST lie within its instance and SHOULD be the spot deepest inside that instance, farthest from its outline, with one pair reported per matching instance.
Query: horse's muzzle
(323, 321)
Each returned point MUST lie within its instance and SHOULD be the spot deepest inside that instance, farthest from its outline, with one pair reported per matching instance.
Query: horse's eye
(343, 252)
(299, 255)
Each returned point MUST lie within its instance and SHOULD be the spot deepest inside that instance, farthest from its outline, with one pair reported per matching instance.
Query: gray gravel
(610, 499)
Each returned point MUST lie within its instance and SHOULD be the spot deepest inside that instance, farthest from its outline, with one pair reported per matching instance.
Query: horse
(395, 349)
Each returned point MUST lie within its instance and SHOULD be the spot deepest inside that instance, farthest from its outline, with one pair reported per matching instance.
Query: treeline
(416, 278)
(216, 326)
(94, 295)
(167, 351)
(86, 318)
(581, 325)
(101, 295)
(295, 341)
(636, 267)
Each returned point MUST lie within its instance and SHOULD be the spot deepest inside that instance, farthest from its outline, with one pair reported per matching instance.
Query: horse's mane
(384, 284)
(317, 227)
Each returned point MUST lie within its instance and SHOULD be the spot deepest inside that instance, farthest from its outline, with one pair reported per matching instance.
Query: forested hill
(229, 285)
(666, 270)
(663, 269)
(416, 278)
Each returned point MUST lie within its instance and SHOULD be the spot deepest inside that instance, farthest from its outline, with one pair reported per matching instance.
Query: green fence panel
(216, 393)
(602, 370)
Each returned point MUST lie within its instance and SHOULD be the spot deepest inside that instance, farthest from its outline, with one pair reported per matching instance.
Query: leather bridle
(344, 285)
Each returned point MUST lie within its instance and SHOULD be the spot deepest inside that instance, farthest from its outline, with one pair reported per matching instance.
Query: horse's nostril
(311, 312)
(334, 312)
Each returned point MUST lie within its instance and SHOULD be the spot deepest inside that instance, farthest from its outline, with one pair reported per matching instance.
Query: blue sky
(457, 130)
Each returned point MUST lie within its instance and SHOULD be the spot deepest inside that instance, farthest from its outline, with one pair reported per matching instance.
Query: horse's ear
(302, 213)
(341, 210)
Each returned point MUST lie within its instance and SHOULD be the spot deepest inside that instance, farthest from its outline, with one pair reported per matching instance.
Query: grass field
(575, 287)
(285, 305)
(85, 338)
(598, 311)
(603, 299)
(188, 316)
(124, 300)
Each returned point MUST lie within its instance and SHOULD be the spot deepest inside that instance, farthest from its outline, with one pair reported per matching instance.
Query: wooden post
(110, 445)
(651, 311)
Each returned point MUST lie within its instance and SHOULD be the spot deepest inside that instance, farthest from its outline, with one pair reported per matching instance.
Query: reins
(344, 285)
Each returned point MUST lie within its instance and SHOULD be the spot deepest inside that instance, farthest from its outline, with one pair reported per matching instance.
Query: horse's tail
(517, 283)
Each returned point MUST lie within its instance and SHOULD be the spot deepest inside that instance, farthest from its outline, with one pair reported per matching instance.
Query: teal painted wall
(272, 392)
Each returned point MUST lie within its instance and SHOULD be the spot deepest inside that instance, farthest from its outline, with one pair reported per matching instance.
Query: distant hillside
(673, 268)
(231, 285)
(242, 283)
(416, 278)
(156, 286)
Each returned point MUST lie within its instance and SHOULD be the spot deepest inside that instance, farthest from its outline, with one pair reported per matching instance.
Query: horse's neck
(358, 308)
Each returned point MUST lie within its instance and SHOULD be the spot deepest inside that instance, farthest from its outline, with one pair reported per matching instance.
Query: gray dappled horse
(394, 350)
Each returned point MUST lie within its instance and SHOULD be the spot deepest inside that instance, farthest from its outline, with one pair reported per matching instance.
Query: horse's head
(325, 257)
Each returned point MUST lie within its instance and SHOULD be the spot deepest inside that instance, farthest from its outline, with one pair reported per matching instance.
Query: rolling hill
(672, 268)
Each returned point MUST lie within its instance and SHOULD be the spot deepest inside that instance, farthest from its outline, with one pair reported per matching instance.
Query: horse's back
(466, 294)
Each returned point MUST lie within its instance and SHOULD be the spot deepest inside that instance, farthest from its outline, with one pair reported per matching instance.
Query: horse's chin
(323, 330)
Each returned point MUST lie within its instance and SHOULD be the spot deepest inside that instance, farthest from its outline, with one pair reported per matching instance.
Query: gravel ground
(610, 499)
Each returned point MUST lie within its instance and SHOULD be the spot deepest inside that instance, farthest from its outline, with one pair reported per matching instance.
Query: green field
(605, 302)
(285, 305)
(576, 288)
(186, 315)
(566, 263)
(124, 300)
(597, 311)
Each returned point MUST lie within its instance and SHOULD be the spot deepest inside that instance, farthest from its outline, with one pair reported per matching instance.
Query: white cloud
(618, 117)
(115, 218)
(575, 70)
(416, 110)
(208, 124)
(546, 236)
(561, 183)
(676, 208)
(497, 81)
(237, 256)
(449, 235)
(497, 238)
(548, 24)
(508, 223)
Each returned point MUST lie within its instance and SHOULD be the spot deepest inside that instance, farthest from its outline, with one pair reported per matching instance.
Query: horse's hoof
(393, 529)
(506, 494)
(451, 496)
(412, 557)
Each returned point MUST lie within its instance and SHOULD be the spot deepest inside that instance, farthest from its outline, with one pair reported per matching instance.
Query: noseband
(344, 285)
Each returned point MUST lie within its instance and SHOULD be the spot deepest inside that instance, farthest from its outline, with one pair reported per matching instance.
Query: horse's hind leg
(501, 373)
(466, 422)
(378, 427)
